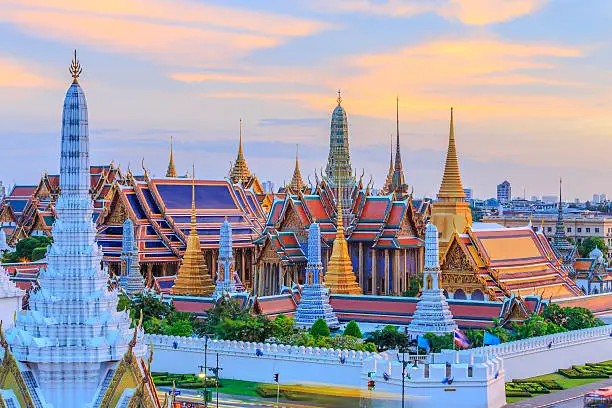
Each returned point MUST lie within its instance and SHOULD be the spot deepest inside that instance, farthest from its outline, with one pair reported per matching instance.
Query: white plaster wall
(240, 361)
(8, 306)
(532, 357)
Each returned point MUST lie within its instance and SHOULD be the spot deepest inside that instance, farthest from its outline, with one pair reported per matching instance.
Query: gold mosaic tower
(451, 212)
(193, 278)
(339, 278)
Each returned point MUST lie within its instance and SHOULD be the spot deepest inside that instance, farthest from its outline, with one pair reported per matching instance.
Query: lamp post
(216, 370)
(204, 369)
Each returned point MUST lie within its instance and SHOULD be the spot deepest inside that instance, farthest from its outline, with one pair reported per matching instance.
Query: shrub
(352, 329)
(320, 329)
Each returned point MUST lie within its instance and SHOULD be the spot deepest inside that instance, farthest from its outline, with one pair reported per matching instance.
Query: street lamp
(216, 370)
(204, 369)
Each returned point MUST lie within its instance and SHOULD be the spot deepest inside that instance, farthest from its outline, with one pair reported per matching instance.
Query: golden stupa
(339, 278)
(193, 278)
(171, 172)
(451, 212)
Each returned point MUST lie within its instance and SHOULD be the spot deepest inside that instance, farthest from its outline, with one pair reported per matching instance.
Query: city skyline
(515, 73)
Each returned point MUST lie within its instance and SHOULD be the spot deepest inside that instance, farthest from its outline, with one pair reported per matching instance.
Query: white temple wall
(532, 357)
(8, 307)
(239, 360)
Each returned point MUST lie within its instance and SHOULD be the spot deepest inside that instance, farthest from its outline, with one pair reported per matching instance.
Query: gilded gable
(292, 221)
(118, 213)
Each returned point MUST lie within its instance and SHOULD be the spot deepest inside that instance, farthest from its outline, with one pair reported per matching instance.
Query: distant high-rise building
(576, 201)
(595, 199)
(603, 198)
(469, 194)
(504, 192)
(534, 198)
(550, 198)
(268, 186)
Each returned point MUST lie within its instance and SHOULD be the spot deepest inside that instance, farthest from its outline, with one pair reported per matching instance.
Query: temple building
(383, 233)
(314, 299)
(432, 313)
(193, 278)
(67, 349)
(451, 212)
(395, 184)
(487, 261)
(592, 274)
(131, 280)
(226, 269)
(297, 183)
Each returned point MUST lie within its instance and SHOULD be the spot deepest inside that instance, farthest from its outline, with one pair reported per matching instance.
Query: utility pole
(277, 388)
(205, 370)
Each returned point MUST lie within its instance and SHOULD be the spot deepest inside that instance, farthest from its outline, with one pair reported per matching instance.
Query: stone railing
(264, 350)
(551, 341)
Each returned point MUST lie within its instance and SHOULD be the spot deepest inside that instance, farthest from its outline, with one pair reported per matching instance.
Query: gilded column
(387, 273)
(374, 277)
(361, 268)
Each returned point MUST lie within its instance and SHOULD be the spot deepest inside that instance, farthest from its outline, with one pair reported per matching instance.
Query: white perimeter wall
(240, 361)
(532, 357)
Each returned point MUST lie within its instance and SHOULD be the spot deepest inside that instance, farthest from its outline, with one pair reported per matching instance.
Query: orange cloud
(173, 33)
(472, 12)
(218, 77)
(18, 74)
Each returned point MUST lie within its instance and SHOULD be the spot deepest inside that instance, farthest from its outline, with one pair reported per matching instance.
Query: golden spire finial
(240, 143)
(339, 222)
(451, 187)
(171, 172)
(75, 69)
(339, 100)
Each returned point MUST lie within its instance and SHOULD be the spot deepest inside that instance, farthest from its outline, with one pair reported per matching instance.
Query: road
(570, 398)
(228, 401)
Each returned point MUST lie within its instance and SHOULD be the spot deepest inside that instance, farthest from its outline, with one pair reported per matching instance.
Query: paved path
(570, 398)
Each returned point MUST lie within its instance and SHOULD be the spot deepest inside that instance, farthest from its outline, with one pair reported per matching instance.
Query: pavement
(570, 398)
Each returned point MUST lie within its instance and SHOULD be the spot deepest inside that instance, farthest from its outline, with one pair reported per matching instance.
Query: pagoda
(193, 278)
(563, 248)
(451, 212)
(11, 298)
(339, 277)
(314, 301)
(226, 285)
(339, 170)
(66, 348)
(131, 278)
(432, 314)
(395, 183)
(240, 171)
(171, 172)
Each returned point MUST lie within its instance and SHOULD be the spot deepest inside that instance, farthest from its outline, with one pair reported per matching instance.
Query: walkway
(564, 398)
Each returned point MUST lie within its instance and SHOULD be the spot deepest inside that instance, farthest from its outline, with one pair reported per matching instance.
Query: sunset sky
(530, 80)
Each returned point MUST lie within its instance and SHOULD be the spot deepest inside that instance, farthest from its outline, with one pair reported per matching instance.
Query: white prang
(72, 335)
(11, 299)
(432, 314)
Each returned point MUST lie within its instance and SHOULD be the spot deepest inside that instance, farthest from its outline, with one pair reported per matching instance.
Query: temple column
(397, 285)
(242, 265)
(405, 274)
(361, 268)
(280, 277)
(374, 277)
(215, 255)
(387, 273)
(149, 274)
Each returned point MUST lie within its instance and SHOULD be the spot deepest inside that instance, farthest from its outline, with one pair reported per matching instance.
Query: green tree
(352, 329)
(437, 343)
(414, 285)
(590, 243)
(388, 338)
(570, 318)
(534, 326)
(178, 328)
(282, 327)
(151, 306)
(320, 329)
(123, 303)
(476, 337)
(25, 248)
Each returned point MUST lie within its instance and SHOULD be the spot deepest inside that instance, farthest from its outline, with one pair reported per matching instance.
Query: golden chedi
(193, 278)
(451, 212)
(339, 278)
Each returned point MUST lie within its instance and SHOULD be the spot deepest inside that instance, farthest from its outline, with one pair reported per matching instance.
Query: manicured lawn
(238, 387)
(564, 381)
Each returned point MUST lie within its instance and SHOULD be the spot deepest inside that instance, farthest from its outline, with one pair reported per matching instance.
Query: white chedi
(72, 337)
(432, 314)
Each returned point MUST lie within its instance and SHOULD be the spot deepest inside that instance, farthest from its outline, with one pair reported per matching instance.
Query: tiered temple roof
(161, 208)
(500, 262)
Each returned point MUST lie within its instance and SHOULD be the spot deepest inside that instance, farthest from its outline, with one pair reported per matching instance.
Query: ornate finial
(530, 220)
(150, 359)
(339, 97)
(3, 341)
(171, 172)
(193, 206)
(75, 69)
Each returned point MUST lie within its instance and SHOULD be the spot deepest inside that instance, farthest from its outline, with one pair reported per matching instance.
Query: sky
(530, 82)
